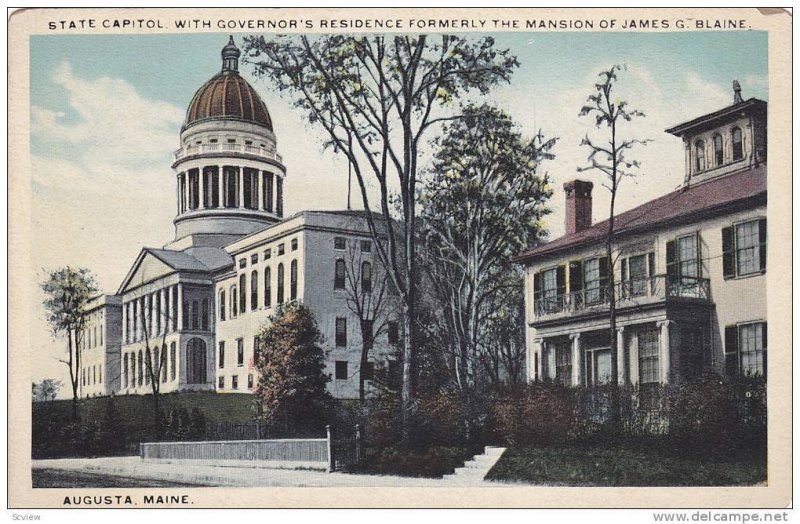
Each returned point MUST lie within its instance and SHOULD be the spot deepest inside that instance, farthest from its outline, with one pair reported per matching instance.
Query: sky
(106, 113)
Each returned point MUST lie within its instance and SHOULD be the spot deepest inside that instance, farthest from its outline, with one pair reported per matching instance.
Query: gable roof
(683, 205)
(202, 260)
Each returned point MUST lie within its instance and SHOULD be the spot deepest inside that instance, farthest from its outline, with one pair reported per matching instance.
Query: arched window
(196, 361)
(132, 382)
(221, 304)
(125, 371)
(185, 314)
(366, 277)
(267, 288)
(141, 368)
(719, 157)
(338, 279)
(254, 290)
(195, 315)
(280, 283)
(204, 320)
(293, 280)
(234, 303)
(242, 293)
(164, 363)
(172, 361)
(148, 363)
(700, 155)
(738, 148)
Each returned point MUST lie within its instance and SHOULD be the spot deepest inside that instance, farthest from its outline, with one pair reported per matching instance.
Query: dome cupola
(229, 173)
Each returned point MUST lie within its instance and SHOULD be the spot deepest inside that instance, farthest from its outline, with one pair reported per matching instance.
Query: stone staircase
(474, 470)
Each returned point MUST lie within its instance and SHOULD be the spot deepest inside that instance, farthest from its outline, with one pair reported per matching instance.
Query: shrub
(534, 415)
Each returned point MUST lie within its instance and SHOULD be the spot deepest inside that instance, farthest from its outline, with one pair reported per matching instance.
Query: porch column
(633, 352)
(664, 356)
(622, 372)
(181, 327)
(538, 361)
(576, 358)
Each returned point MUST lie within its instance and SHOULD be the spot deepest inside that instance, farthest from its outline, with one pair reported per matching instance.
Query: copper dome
(228, 96)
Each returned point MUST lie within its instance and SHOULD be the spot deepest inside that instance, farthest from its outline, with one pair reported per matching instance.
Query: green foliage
(67, 291)
(46, 390)
(291, 366)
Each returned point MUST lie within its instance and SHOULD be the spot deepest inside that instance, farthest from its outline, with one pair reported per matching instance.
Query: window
(683, 266)
(563, 363)
(242, 293)
(172, 361)
(293, 280)
(649, 369)
(366, 246)
(234, 303)
(148, 359)
(341, 370)
(194, 189)
(341, 332)
(182, 192)
(591, 280)
(267, 254)
(240, 352)
(231, 186)
(699, 156)
(231, 140)
(221, 383)
(164, 363)
(204, 320)
(140, 367)
(242, 263)
(746, 349)
(254, 290)
(744, 248)
(393, 332)
(279, 196)
(221, 359)
(637, 274)
(125, 371)
(254, 258)
(548, 286)
(366, 277)
(281, 249)
(736, 139)
(256, 349)
(339, 243)
(719, 157)
(250, 381)
(294, 244)
(250, 188)
(211, 186)
(195, 315)
(368, 371)
(235, 382)
(280, 283)
(338, 279)
(221, 304)
(267, 288)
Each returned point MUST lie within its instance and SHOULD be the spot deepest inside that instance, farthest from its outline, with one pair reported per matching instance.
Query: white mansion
(197, 304)
(690, 269)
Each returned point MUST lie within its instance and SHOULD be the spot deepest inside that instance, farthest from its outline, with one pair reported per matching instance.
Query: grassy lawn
(598, 466)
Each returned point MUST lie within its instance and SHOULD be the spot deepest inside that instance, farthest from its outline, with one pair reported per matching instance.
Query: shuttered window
(746, 349)
(744, 248)
(649, 369)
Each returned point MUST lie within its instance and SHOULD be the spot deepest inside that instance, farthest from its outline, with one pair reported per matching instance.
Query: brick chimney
(579, 205)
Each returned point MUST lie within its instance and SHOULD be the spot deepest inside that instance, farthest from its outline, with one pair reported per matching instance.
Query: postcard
(506, 258)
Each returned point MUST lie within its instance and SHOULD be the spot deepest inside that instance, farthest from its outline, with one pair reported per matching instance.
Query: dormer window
(718, 153)
(736, 139)
(700, 155)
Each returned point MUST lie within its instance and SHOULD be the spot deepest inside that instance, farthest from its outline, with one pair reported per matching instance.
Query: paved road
(135, 468)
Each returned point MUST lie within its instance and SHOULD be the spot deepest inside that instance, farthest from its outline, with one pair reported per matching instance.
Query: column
(124, 322)
(185, 190)
(664, 356)
(633, 352)
(179, 320)
(260, 198)
(220, 200)
(576, 358)
(162, 298)
(201, 182)
(240, 178)
(622, 372)
(135, 334)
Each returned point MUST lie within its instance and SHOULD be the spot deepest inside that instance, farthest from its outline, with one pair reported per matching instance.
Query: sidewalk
(206, 475)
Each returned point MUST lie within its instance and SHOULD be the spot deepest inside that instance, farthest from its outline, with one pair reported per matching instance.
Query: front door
(598, 366)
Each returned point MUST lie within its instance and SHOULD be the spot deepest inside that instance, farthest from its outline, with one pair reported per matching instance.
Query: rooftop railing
(228, 148)
(659, 288)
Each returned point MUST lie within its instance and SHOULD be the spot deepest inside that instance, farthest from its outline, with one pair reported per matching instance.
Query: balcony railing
(658, 288)
(228, 148)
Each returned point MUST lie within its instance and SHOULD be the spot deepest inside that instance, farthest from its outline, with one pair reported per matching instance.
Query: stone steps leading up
(473, 471)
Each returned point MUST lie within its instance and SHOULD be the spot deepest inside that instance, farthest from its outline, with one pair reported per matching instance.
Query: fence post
(358, 443)
(330, 449)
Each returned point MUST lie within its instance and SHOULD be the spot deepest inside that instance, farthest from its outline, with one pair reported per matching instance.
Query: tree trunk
(74, 372)
(366, 347)
(612, 319)
(407, 395)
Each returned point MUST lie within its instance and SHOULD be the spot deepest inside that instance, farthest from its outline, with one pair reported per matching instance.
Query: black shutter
(575, 276)
(603, 270)
(537, 287)
(764, 345)
(624, 286)
(672, 264)
(732, 350)
(651, 270)
(728, 258)
(561, 280)
(762, 243)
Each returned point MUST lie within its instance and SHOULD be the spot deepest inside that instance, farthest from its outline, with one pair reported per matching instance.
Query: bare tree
(609, 158)
(376, 97)
(366, 288)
